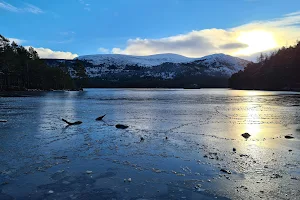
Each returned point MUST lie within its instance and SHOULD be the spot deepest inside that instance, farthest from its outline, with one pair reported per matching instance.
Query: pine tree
(21, 68)
(33, 54)
(261, 58)
(14, 47)
(80, 74)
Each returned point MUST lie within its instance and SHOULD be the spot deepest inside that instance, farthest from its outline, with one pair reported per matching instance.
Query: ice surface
(39, 154)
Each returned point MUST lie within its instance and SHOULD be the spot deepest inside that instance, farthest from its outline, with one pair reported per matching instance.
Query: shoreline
(82, 89)
(271, 90)
(39, 90)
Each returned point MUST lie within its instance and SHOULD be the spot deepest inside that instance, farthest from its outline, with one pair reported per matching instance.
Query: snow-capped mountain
(161, 70)
(222, 63)
(144, 61)
(216, 64)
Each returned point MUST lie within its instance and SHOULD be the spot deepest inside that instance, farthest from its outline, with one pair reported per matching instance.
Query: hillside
(145, 61)
(278, 71)
(162, 70)
(218, 64)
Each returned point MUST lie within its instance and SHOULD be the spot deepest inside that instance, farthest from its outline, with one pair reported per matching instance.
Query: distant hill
(161, 70)
(278, 71)
(144, 61)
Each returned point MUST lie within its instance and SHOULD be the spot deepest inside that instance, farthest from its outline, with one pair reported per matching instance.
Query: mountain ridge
(160, 70)
(148, 60)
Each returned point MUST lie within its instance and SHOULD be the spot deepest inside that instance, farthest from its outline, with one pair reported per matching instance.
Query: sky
(193, 28)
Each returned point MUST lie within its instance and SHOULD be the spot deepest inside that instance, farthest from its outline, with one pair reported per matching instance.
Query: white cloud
(245, 40)
(293, 13)
(117, 51)
(48, 53)
(103, 50)
(7, 6)
(32, 9)
(86, 5)
(16, 40)
(27, 8)
(254, 56)
(193, 44)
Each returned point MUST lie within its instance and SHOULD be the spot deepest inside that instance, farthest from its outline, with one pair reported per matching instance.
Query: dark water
(41, 158)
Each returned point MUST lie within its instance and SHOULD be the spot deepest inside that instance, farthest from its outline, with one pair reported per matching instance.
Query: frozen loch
(179, 144)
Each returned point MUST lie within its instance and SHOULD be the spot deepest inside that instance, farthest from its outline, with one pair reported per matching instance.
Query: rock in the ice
(225, 171)
(246, 135)
(121, 126)
(276, 176)
(234, 149)
(288, 137)
(4, 183)
(100, 118)
(72, 123)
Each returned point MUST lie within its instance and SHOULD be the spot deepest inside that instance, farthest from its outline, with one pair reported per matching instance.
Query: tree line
(22, 69)
(279, 70)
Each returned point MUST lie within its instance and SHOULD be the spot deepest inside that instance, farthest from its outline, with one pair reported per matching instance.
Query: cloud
(27, 8)
(293, 13)
(244, 41)
(254, 56)
(86, 6)
(48, 53)
(193, 44)
(32, 9)
(116, 51)
(16, 40)
(103, 50)
(9, 7)
(234, 45)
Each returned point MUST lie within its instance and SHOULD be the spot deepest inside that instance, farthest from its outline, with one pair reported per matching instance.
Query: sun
(257, 41)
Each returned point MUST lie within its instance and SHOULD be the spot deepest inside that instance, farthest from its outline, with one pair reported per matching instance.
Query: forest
(22, 69)
(279, 70)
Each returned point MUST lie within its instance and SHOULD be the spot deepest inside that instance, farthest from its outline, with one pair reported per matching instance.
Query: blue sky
(136, 26)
